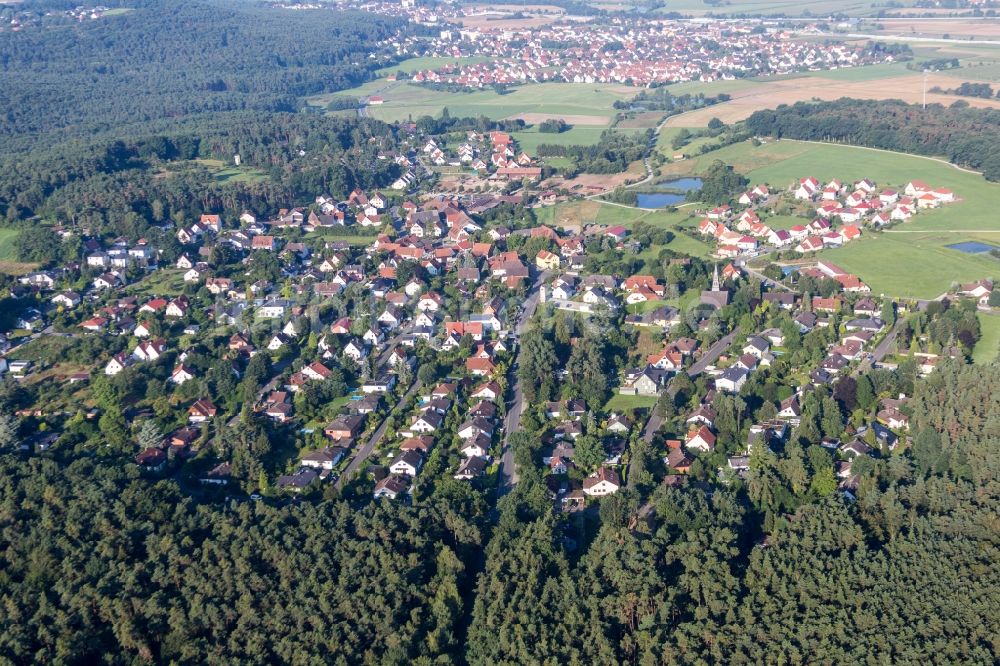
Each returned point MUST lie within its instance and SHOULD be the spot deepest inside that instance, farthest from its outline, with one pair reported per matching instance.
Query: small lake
(679, 184)
(658, 200)
(971, 247)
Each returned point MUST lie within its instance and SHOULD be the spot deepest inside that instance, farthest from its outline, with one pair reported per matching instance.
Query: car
(256, 497)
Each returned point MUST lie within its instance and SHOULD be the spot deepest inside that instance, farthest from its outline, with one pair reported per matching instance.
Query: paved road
(512, 422)
(766, 280)
(713, 353)
(365, 451)
(880, 350)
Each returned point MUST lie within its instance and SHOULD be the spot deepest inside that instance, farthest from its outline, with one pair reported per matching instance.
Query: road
(512, 422)
(881, 349)
(774, 284)
(713, 353)
(365, 451)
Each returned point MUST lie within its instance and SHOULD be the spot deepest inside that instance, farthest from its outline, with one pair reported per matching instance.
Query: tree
(588, 452)
(8, 430)
(149, 435)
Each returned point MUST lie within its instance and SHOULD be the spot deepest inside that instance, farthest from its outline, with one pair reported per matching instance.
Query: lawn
(164, 282)
(7, 250)
(909, 260)
(232, 174)
(591, 103)
(620, 403)
(989, 341)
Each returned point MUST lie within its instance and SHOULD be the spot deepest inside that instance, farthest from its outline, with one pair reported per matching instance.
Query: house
(67, 299)
(326, 458)
(391, 487)
(423, 444)
(478, 445)
(178, 307)
(407, 463)
(732, 380)
(471, 468)
(150, 350)
(297, 482)
(547, 261)
(474, 427)
(429, 421)
(756, 346)
(648, 381)
(117, 363)
(605, 481)
(345, 427)
(151, 459)
(701, 439)
(678, 461)
(894, 419)
(181, 374)
(201, 411)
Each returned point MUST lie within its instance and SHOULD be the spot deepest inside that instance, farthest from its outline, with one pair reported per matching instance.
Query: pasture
(589, 103)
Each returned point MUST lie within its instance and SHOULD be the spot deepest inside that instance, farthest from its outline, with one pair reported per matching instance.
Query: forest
(100, 562)
(178, 59)
(123, 185)
(963, 135)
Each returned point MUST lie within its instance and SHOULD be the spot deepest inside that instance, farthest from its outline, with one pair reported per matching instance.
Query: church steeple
(715, 279)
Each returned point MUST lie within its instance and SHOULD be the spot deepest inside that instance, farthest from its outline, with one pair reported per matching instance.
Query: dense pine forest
(97, 562)
(964, 135)
(173, 60)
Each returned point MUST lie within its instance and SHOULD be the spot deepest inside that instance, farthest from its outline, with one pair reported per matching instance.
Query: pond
(679, 184)
(972, 247)
(658, 200)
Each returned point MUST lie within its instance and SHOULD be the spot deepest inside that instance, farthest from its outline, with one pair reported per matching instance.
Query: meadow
(989, 341)
(530, 139)
(579, 104)
(7, 250)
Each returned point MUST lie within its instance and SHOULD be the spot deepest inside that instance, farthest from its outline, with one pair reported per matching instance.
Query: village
(385, 358)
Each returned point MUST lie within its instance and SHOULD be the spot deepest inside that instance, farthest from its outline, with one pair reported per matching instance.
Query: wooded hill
(176, 59)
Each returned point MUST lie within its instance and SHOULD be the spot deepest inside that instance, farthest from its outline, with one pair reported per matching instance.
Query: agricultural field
(772, 7)
(910, 260)
(876, 82)
(577, 104)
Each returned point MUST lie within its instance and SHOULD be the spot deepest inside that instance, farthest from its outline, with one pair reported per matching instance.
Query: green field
(232, 174)
(7, 250)
(620, 403)
(910, 260)
(530, 139)
(405, 100)
(989, 341)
